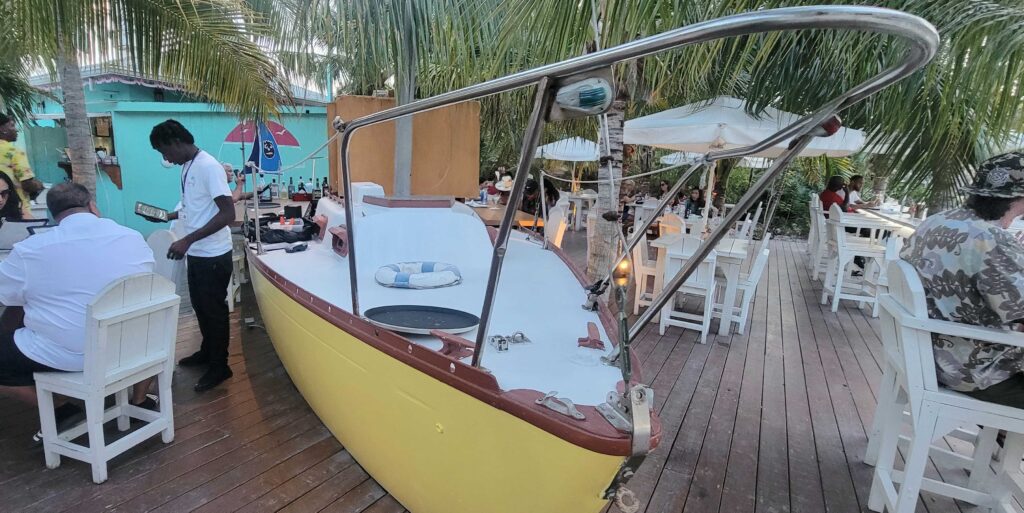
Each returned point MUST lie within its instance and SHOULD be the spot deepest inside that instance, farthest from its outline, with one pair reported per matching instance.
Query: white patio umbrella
(573, 149)
(683, 157)
(724, 123)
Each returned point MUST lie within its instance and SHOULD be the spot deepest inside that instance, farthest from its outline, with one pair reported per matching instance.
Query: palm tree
(212, 47)
(937, 125)
(417, 48)
(16, 94)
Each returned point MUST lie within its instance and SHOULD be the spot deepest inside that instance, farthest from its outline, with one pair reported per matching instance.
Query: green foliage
(210, 46)
(15, 92)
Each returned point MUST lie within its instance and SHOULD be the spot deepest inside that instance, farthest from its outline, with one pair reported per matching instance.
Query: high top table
(731, 255)
(578, 199)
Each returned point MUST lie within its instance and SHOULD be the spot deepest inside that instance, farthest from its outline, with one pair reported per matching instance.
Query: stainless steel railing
(922, 43)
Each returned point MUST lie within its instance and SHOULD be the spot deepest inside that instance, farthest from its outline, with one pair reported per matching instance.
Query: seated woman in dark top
(694, 205)
(10, 203)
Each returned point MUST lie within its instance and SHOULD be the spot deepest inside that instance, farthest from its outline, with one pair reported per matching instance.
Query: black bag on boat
(270, 236)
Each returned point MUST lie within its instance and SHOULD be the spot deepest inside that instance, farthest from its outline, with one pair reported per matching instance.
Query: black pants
(208, 279)
(1009, 392)
(864, 232)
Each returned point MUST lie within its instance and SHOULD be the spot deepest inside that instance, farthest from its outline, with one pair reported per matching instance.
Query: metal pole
(542, 103)
(544, 210)
(921, 36)
(708, 245)
(406, 90)
(255, 197)
(346, 181)
(773, 201)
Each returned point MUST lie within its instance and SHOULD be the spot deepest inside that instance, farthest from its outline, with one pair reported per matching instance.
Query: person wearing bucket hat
(972, 270)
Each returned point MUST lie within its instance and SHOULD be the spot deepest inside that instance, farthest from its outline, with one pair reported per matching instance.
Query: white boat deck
(537, 294)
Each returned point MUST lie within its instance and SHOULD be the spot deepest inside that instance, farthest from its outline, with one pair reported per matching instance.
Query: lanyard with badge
(184, 175)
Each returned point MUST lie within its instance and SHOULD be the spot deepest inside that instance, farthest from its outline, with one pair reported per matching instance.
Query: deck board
(773, 420)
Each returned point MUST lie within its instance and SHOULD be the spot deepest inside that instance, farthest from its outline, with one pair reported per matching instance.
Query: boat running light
(622, 272)
(589, 96)
(827, 128)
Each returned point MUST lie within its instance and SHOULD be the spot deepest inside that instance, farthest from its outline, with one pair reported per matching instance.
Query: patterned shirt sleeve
(20, 167)
(1001, 280)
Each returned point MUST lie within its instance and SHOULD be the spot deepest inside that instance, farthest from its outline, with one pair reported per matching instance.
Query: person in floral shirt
(14, 164)
(972, 270)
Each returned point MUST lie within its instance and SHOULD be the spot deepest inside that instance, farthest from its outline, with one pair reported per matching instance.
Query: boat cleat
(562, 405)
(502, 343)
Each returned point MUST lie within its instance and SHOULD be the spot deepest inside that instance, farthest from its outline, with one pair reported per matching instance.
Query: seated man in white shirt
(856, 202)
(51, 277)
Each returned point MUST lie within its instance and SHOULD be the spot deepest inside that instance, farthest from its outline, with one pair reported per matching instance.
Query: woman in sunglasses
(10, 203)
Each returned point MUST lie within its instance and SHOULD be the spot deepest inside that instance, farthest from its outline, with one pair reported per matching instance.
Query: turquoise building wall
(133, 114)
(145, 179)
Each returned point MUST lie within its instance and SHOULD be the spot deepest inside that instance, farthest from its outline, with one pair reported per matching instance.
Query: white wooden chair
(841, 251)
(934, 410)
(131, 327)
(174, 270)
(669, 224)
(814, 207)
(747, 284)
(695, 226)
(744, 229)
(754, 220)
(877, 271)
(555, 226)
(238, 245)
(700, 283)
(644, 270)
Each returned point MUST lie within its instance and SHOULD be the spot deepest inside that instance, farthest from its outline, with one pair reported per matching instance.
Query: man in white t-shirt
(856, 203)
(207, 210)
(50, 278)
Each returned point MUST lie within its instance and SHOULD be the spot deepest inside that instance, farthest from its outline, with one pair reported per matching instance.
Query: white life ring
(418, 275)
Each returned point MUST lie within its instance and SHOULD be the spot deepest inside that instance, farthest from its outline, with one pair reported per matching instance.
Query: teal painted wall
(42, 144)
(134, 113)
(146, 180)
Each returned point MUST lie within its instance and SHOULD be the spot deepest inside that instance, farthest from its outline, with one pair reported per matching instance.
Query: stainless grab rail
(921, 36)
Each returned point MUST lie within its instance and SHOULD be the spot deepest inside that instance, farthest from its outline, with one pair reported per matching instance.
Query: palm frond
(211, 46)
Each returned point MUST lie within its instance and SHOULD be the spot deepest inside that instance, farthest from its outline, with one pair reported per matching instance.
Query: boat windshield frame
(922, 43)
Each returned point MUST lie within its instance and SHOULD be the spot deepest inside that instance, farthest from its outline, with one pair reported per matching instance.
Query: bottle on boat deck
(317, 191)
(274, 189)
(263, 189)
(325, 188)
(302, 185)
(291, 187)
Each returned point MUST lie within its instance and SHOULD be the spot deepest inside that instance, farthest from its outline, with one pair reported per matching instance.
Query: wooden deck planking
(773, 420)
(806, 493)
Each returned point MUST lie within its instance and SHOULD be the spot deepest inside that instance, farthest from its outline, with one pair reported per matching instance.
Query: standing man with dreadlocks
(207, 210)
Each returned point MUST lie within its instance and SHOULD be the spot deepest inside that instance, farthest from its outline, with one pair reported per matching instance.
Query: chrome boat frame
(922, 42)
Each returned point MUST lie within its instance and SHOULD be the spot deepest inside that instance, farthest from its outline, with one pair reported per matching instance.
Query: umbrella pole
(710, 190)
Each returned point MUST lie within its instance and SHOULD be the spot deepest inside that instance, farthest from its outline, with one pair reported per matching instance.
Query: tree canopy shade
(212, 47)
(15, 92)
(937, 125)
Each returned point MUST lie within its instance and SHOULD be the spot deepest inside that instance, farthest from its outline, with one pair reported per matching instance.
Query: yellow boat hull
(432, 446)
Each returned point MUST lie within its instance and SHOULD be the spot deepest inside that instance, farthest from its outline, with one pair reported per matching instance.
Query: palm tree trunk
(76, 120)
(601, 234)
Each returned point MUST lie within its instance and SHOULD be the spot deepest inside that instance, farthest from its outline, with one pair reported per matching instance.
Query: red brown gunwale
(410, 202)
(594, 433)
